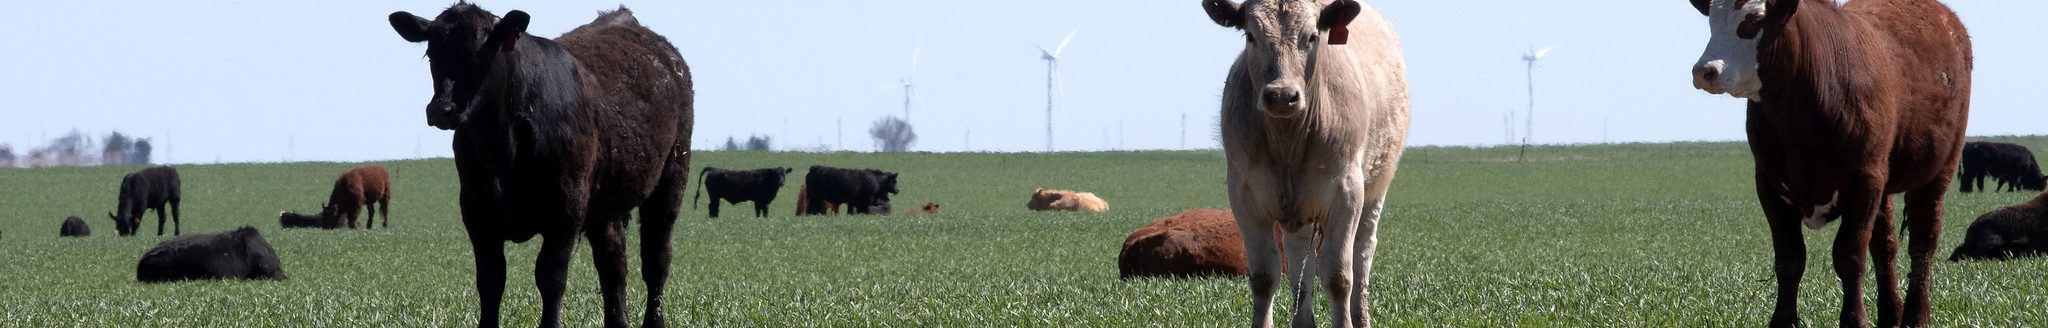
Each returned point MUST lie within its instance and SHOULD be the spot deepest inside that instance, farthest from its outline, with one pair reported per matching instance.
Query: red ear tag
(1339, 35)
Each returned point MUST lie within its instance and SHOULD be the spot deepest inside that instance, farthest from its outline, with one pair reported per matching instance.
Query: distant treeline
(78, 149)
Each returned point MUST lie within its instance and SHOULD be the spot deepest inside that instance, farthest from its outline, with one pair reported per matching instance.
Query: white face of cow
(1729, 63)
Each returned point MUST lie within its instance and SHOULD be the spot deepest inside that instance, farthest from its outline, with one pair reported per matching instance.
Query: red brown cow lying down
(1196, 242)
(365, 186)
(929, 208)
(1065, 200)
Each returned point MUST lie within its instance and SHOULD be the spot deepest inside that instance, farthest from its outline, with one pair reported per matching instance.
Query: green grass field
(1579, 236)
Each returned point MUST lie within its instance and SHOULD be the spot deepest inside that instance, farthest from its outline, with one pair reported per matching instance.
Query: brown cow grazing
(148, 189)
(1196, 242)
(1847, 105)
(559, 137)
(365, 186)
(2012, 231)
(1065, 200)
(929, 208)
(74, 227)
(1314, 118)
(234, 254)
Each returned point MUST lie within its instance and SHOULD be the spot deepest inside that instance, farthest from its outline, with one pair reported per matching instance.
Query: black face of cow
(462, 43)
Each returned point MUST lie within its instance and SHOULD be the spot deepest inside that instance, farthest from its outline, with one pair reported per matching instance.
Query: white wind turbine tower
(910, 83)
(1529, 121)
(1052, 79)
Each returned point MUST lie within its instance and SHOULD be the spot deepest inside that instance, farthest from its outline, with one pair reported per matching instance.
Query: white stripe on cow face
(1729, 63)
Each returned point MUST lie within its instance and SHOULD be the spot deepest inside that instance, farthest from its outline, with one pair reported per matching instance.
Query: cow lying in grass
(235, 254)
(2013, 231)
(74, 227)
(1065, 200)
(1196, 242)
(929, 208)
(291, 220)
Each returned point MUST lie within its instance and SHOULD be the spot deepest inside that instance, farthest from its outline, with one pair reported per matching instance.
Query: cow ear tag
(1339, 35)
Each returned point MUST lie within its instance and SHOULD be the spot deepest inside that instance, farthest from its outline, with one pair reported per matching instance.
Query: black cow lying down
(2012, 231)
(864, 191)
(74, 227)
(735, 186)
(289, 220)
(235, 254)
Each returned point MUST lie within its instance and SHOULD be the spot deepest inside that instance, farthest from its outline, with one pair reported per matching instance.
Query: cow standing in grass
(1314, 118)
(2010, 166)
(150, 189)
(864, 191)
(1847, 104)
(559, 137)
(735, 186)
(368, 186)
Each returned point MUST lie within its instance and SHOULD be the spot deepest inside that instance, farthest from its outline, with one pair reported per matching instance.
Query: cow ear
(1701, 5)
(1339, 13)
(1224, 12)
(412, 28)
(508, 30)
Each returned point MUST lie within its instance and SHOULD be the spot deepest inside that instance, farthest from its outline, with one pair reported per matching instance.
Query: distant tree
(730, 144)
(72, 149)
(139, 154)
(760, 143)
(893, 134)
(116, 150)
(6, 155)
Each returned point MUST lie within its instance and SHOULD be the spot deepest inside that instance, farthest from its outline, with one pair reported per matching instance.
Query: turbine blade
(1063, 43)
(1538, 54)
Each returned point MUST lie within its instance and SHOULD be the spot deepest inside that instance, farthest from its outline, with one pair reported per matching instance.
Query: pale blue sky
(264, 81)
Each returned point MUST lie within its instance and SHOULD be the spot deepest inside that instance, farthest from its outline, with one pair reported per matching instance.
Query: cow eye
(1248, 38)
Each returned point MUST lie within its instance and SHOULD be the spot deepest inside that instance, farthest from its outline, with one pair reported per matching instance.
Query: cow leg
(1361, 268)
(657, 223)
(1336, 257)
(551, 268)
(490, 274)
(370, 215)
(608, 253)
(760, 208)
(1299, 243)
(1849, 250)
(714, 206)
(1884, 249)
(353, 211)
(816, 205)
(1262, 259)
(384, 209)
(1788, 245)
(1923, 224)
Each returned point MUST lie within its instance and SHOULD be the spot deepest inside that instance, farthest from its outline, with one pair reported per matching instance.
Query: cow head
(1729, 64)
(782, 175)
(462, 43)
(1281, 40)
(2036, 182)
(123, 226)
(1985, 246)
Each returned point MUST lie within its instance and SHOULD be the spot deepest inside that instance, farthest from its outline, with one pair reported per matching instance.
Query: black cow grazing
(289, 220)
(2012, 231)
(735, 186)
(149, 189)
(2011, 166)
(74, 227)
(236, 254)
(559, 137)
(864, 191)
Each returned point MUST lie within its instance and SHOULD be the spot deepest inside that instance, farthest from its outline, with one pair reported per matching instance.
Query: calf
(236, 254)
(367, 186)
(735, 186)
(864, 191)
(1196, 242)
(1065, 200)
(929, 208)
(1847, 105)
(2007, 232)
(149, 189)
(74, 227)
(561, 137)
(289, 220)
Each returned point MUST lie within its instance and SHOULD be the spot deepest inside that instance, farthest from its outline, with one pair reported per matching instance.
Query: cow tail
(700, 187)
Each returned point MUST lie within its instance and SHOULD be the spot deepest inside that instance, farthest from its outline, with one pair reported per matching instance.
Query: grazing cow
(864, 191)
(2007, 232)
(1314, 118)
(559, 137)
(1847, 105)
(235, 254)
(929, 208)
(365, 186)
(1196, 242)
(74, 227)
(735, 186)
(289, 220)
(149, 189)
(2011, 166)
(1065, 200)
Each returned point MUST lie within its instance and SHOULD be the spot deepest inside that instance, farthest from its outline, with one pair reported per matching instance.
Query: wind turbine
(910, 83)
(1052, 79)
(1529, 121)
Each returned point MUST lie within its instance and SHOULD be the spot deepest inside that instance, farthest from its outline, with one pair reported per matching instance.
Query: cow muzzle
(1281, 101)
(1707, 76)
(441, 114)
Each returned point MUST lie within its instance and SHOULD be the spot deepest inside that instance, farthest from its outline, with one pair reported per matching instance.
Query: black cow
(864, 191)
(74, 227)
(2011, 231)
(236, 254)
(2010, 166)
(289, 220)
(559, 137)
(735, 186)
(149, 189)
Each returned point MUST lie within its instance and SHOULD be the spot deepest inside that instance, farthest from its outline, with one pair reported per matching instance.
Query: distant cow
(559, 137)
(1196, 242)
(74, 227)
(365, 186)
(864, 191)
(2011, 166)
(735, 186)
(236, 254)
(289, 220)
(803, 198)
(929, 208)
(1065, 200)
(149, 189)
(2013, 231)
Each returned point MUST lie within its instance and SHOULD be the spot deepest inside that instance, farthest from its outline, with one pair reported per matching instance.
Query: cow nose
(1282, 95)
(1706, 74)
